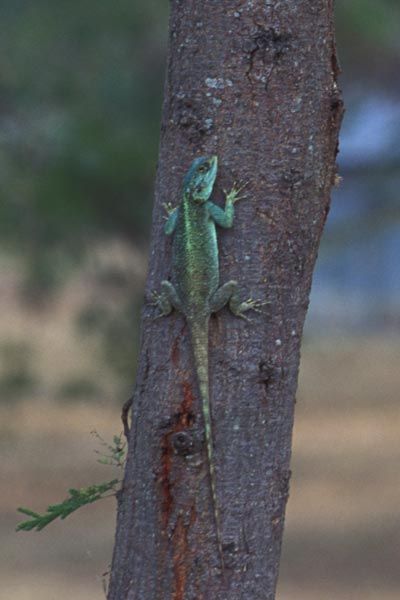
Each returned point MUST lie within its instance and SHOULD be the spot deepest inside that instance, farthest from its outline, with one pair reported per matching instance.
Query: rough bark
(253, 81)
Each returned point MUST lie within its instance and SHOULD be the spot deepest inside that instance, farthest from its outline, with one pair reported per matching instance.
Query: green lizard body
(195, 290)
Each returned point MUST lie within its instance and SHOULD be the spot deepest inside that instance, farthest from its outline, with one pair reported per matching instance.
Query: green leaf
(76, 499)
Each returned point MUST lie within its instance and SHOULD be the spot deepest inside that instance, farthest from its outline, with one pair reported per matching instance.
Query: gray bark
(254, 82)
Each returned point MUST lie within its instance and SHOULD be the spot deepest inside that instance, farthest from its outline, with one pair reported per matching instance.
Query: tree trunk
(255, 83)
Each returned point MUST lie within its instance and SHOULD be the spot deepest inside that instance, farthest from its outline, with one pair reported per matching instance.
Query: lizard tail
(199, 339)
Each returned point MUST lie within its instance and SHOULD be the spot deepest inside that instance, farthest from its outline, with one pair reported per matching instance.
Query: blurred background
(81, 89)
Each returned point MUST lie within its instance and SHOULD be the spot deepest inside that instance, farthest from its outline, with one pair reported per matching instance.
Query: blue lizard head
(199, 180)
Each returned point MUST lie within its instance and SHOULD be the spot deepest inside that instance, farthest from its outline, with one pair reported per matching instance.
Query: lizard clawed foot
(154, 298)
(234, 195)
(251, 304)
(157, 300)
(169, 209)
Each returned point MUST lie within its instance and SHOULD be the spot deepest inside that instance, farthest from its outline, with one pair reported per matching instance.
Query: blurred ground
(343, 529)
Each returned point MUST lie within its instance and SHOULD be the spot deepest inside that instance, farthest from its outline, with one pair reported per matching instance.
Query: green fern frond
(77, 499)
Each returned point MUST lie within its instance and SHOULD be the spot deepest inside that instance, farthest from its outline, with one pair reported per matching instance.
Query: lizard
(194, 290)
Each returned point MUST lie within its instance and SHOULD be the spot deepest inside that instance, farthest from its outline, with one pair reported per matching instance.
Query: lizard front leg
(224, 216)
(171, 218)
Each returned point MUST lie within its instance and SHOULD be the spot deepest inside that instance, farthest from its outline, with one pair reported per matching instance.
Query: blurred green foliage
(81, 95)
(367, 35)
(368, 21)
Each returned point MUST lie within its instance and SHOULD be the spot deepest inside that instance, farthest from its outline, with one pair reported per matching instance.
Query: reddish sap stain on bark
(165, 480)
(183, 418)
(187, 417)
(175, 352)
(181, 562)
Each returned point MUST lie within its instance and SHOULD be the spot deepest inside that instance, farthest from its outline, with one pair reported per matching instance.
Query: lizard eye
(199, 189)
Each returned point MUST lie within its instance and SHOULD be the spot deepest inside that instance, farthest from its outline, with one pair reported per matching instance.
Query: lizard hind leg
(167, 300)
(224, 295)
(228, 294)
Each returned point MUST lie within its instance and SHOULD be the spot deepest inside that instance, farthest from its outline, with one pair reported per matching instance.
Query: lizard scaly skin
(195, 290)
